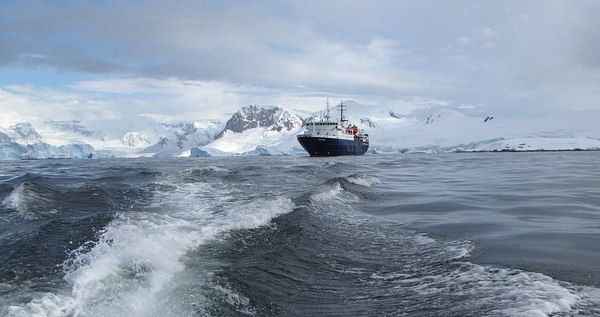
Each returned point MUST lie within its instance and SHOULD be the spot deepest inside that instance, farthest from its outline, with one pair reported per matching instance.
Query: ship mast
(327, 113)
(342, 111)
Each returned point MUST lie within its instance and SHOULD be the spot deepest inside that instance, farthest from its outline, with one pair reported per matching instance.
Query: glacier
(272, 130)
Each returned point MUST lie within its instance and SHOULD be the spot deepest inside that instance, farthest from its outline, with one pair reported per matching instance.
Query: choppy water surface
(418, 235)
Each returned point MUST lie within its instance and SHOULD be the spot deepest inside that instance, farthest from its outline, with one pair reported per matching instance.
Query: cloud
(555, 54)
(161, 99)
(165, 100)
(184, 58)
(485, 33)
(463, 40)
(241, 43)
(33, 104)
(480, 37)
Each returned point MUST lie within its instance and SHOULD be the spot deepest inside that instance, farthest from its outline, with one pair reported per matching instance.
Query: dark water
(415, 235)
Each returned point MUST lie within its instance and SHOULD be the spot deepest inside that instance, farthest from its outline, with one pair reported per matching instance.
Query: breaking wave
(140, 253)
(31, 201)
(362, 180)
(415, 267)
(232, 238)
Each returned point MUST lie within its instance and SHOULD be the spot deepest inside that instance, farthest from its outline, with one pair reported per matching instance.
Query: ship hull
(316, 146)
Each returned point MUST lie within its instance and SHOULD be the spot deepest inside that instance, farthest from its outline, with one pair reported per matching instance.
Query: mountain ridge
(271, 130)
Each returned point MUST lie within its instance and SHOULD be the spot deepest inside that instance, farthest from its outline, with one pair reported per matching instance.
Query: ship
(323, 137)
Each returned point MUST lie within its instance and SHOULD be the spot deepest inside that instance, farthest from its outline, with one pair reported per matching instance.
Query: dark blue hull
(332, 147)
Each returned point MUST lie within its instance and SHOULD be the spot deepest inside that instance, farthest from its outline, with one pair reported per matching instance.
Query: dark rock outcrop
(250, 117)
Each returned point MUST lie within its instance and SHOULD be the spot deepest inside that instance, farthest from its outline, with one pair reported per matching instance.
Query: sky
(193, 60)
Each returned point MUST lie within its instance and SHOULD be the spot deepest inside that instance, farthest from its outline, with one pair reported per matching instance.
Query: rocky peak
(25, 133)
(77, 127)
(254, 116)
(444, 115)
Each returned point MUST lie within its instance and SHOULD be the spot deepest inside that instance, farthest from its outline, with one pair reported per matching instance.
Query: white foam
(234, 299)
(459, 249)
(363, 180)
(48, 305)
(518, 293)
(20, 199)
(424, 239)
(139, 253)
(590, 299)
(330, 193)
(333, 194)
(14, 199)
(534, 294)
(511, 292)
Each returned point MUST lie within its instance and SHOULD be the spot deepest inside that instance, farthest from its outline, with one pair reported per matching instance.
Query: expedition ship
(327, 138)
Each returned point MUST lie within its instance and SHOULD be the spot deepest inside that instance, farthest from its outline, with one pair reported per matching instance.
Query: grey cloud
(323, 46)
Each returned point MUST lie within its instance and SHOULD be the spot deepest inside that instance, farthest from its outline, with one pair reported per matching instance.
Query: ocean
(464, 234)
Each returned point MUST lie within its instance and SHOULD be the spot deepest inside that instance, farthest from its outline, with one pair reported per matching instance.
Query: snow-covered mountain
(184, 137)
(451, 131)
(76, 127)
(22, 141)
(269, 117)
(22, 133)
(123, 137)
(443, 130)
(256, 130)
(270, 130)
(135, 139)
